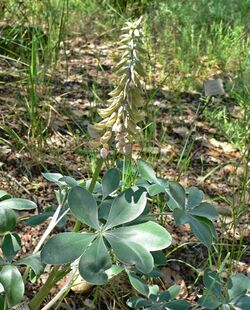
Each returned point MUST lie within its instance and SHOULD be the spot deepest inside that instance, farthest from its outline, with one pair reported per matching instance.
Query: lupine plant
(156, 300)
(114, 228)
(225, 295)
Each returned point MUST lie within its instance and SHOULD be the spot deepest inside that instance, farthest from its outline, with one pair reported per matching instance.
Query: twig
(20, 185)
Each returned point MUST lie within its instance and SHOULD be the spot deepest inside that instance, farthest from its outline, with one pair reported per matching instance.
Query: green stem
(123, 172)
(6, 304)
(38, 299)
(95, 175)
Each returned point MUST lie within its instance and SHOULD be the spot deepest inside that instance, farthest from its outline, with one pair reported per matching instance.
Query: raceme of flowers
(121, 117)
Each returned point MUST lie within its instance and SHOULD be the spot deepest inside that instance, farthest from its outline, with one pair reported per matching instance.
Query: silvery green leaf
(110, 182)
(83, 205)
(126, 207)
(18, 204)
(94, 262)
(65, 247)
(141, 234)
(11, 280)
(131, 253)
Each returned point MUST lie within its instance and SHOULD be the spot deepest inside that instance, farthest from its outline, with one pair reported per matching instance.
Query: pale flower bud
(119, 145)
(106, 137)
(127, 149)
(104, 152)
(120, 137)
(119, 128)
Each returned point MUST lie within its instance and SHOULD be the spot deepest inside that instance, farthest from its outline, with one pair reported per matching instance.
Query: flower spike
(121, 117)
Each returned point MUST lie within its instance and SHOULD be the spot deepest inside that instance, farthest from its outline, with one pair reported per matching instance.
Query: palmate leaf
(83, 205)
(195, 197)
(94, 262)
(242, 302)
(203, 229)
(209, 301)
(48, 212)
(215, 295)
(206, 210)
(155, 300)
(129, 244)
(238, 286)
(193, 211)
(126, 207)
(104, 209)
(212, 282)
(114, 270)
(153, 292)
(69, 181)
(60, 180)
(155, 189)
(187, 206)
(170, 293)
(38, 218)
(12, 281)
(65, 247)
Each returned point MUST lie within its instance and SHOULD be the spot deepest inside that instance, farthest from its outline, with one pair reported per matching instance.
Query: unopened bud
(119, 128)
(119, 145)
(127, 149)
(104, 152)
(105, 138)
(120, 138)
